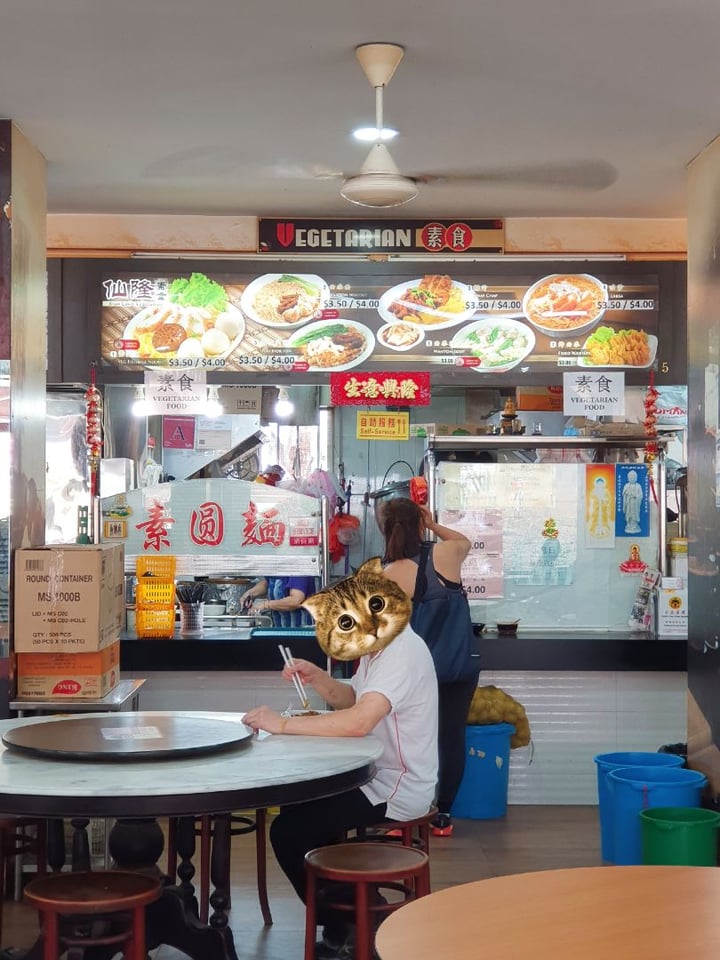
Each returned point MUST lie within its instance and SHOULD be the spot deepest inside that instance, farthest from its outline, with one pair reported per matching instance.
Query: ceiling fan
(381, 184)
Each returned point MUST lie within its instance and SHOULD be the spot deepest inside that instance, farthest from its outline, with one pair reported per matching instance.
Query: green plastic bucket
(680, 836)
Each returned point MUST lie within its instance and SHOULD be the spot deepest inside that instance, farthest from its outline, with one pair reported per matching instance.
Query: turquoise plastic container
(634, 789)
(612, 761)
(484, 788)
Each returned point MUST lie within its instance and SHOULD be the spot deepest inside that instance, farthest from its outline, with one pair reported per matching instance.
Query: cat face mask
(359, 615)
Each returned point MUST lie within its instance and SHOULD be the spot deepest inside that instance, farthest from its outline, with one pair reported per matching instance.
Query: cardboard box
(539, 398)
(57, 676)
(68, 598)
(672, 613)
(459, 430)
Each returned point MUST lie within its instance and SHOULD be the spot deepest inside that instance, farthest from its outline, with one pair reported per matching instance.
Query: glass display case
(562, 528)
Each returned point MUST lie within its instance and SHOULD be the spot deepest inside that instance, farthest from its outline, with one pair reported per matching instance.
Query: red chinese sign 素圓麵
(380, 389)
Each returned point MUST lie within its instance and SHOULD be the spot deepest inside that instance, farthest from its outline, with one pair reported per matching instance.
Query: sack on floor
(492, 705)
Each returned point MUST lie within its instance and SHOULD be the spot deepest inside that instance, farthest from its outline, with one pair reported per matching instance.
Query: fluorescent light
(372, 134)
(213, 407)
(284, 407)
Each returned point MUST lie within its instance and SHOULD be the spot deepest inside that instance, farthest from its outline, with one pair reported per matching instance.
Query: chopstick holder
(288, 661)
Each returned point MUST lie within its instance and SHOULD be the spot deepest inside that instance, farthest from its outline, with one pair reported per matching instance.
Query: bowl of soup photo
(564, 305)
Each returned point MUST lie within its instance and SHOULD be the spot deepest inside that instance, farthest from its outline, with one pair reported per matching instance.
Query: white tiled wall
(573, 717)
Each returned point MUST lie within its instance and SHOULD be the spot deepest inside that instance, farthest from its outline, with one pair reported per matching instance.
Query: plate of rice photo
(284, 300)
(435, 300)
(607, 347)
(333, 344)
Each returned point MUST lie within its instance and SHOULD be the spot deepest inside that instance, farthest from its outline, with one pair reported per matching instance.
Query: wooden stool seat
(412, 833)
(364, 865)
(104, 895)
(15, 841)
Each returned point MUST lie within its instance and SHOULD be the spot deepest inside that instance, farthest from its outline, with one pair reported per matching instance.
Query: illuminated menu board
(312, 324)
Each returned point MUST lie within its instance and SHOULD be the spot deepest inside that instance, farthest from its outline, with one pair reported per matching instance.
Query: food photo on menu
(309, 324)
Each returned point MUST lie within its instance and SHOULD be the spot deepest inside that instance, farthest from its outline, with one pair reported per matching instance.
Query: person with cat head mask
(392, 696)
(404, 526)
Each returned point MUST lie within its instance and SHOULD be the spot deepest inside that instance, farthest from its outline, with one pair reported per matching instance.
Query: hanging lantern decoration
(93, 431)
(650, 421)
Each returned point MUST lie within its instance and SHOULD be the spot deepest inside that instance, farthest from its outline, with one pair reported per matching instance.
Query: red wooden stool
(117, 897)
(365, 866)
(412, 833)
(240, 825)
(16, 842)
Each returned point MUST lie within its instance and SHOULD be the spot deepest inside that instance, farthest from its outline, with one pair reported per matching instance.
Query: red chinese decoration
(156, 527)
(207, 525)
(380, 389)
(650, 424)
(650, 421)
(93, 431)
(262, 528)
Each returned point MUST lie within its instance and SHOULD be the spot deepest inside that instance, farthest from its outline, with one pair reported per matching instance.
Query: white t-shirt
(407, 769)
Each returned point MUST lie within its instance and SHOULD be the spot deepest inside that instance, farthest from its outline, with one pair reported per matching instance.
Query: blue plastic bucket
(634, 789)
(612, 761)
(484, 787)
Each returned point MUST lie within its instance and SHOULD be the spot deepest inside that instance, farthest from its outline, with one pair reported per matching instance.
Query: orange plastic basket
(152, 592)
(162, 567)
(155, 622)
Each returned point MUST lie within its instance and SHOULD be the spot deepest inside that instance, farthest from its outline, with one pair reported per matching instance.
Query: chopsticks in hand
(288, 661)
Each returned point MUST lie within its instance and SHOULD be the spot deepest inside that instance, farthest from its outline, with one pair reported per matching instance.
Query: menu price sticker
(632, 304)
(336, 303)
(487, 588)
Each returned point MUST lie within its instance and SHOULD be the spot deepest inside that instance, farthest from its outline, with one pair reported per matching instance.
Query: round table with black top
(137, 767)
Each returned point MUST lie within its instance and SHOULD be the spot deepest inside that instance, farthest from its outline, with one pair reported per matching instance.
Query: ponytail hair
(400, 526)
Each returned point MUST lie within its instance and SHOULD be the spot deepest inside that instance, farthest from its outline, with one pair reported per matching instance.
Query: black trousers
(303, 826)
(453, 705)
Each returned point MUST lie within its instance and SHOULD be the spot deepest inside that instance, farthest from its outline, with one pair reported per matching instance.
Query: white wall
(573, 717)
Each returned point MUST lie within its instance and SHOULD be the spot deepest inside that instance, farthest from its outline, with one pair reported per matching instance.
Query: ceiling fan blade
(306, 171)
(580, 175)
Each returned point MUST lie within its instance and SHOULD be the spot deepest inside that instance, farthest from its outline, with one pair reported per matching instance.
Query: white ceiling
(224, 106)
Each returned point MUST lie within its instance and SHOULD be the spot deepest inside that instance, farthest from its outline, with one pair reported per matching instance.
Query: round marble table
(643, 913)
(267, 771)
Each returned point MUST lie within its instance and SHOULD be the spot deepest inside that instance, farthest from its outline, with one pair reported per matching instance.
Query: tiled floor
(528, 838)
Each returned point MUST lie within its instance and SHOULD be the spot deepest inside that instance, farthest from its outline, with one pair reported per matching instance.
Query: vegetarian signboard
(469, 323)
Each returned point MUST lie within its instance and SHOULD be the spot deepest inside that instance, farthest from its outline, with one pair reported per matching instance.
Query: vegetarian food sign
(381, 236)
(471, 326)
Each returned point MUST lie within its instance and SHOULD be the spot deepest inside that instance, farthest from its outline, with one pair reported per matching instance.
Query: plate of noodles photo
(333, 344)
(284, 300)
(627, 349)
(435, 300)
(564, 305)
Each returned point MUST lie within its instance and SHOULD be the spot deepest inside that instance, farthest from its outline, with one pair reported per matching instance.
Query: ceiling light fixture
(284, 407)
(213, 407)
(379, 183)
(371, 134)
(139, 406)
